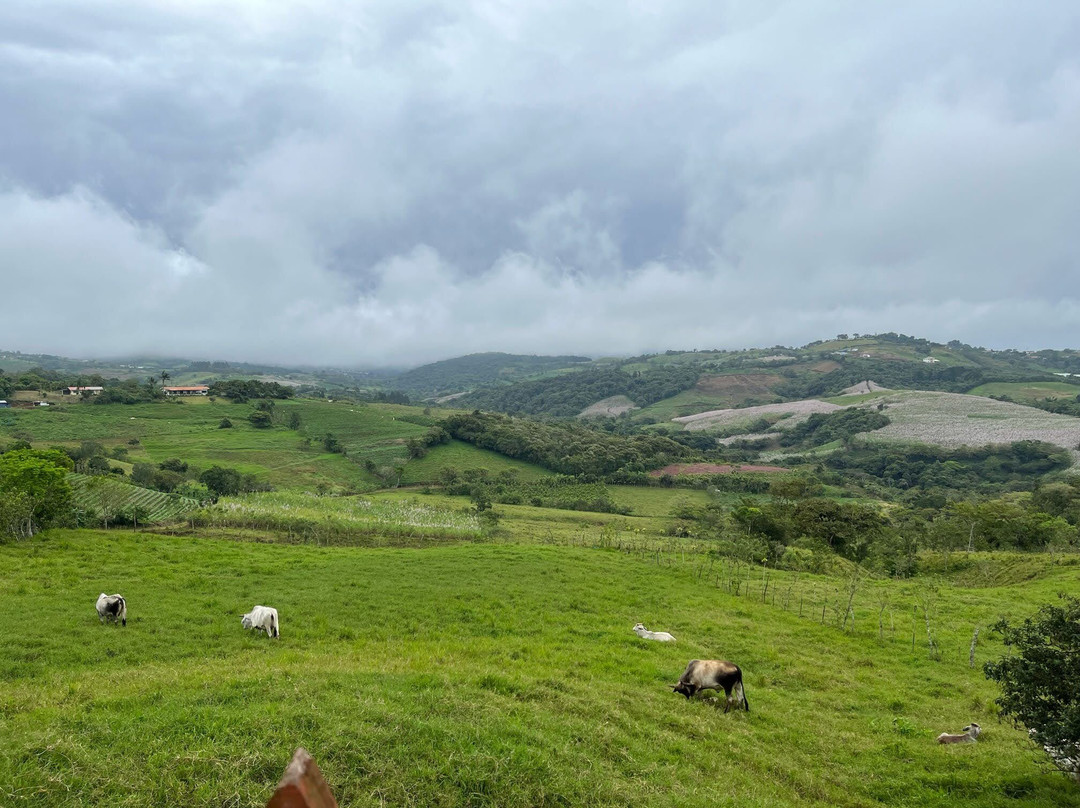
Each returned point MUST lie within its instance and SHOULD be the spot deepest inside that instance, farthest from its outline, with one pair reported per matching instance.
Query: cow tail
(123, 612)
(742, 692)
(274, 624)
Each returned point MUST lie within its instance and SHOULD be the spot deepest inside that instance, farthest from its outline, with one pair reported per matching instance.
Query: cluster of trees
(1038, 679)
(175, 476)
(418, 447)
(7, 385)
(568, 448)
(242, 390)
(38, 378)
(971, 468)
(798, 516)
(384, 397)
(569, 394)
(822, 428)
(1062, 406)
(34, 491)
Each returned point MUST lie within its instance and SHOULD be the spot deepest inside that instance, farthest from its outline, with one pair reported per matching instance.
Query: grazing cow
(659, 636)
(712, 674)
(112, 607)
(970, 734)
(263, 618)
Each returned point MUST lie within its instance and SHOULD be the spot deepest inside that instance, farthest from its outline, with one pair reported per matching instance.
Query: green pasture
(483, 674)
(188, 429)
(1027, 392)
(461, 456)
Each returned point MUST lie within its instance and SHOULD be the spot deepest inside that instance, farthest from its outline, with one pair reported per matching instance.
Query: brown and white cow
(712, 674)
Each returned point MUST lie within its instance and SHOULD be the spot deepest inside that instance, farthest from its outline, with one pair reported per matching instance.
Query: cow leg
(727, 699)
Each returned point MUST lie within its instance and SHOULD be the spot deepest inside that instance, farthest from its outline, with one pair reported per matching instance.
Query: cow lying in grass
(659, 636)
(112, 607)
(969, 735)
(712, 674)
(262, 618)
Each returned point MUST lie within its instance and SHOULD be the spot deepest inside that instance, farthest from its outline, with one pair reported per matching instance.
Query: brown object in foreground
(302, 785)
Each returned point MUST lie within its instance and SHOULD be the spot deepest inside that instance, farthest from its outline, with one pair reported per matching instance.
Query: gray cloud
(379, 184)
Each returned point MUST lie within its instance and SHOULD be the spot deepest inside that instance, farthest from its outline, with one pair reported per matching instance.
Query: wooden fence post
(302, 785)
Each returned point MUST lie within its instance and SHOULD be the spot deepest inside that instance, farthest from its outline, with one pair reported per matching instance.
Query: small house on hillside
(191, 390)
(929, 360)
(78, 391)
(4, 404)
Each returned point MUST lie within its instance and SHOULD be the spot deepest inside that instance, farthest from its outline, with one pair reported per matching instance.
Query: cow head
(973, 729)
(246, 621)
(685, 688)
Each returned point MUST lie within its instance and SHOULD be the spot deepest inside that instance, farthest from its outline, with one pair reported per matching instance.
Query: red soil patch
(713, 468)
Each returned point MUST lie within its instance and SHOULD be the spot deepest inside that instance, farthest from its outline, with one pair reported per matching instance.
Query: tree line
(566, 447)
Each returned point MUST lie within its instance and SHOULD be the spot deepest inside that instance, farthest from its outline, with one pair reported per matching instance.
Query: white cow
(659, 636)
(112, 607)
(262, 618)
(970, 735)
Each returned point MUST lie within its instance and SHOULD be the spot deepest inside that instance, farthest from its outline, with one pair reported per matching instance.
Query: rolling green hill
(468, 372)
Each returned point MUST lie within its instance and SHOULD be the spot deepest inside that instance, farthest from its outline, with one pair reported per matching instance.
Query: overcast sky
(389, 182)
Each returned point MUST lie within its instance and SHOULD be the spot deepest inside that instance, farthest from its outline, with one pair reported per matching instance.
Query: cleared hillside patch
(955, 419)
(608, 408)
(798, 410)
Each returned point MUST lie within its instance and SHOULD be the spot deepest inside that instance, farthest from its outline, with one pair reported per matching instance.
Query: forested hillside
(569, 394)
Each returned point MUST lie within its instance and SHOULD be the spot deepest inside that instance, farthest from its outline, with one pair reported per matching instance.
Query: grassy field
(461, 456)
(1027, 391)
(311, 519)
(474, 675)
(285, 458)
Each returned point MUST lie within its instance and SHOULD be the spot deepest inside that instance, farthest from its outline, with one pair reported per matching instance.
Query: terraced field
(158, 506)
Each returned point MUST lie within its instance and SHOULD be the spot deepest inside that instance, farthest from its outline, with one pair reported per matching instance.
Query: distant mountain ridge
(463, 373)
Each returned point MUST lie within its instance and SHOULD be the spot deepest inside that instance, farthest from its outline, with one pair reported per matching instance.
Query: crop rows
(157, 505)
(342, 520)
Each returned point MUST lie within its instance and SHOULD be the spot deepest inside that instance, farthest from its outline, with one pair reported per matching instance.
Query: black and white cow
(112, 607)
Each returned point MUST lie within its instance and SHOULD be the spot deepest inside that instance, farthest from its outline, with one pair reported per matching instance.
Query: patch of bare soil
(797, 409)
(608, 407)
(715, 468)
(863, 387)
